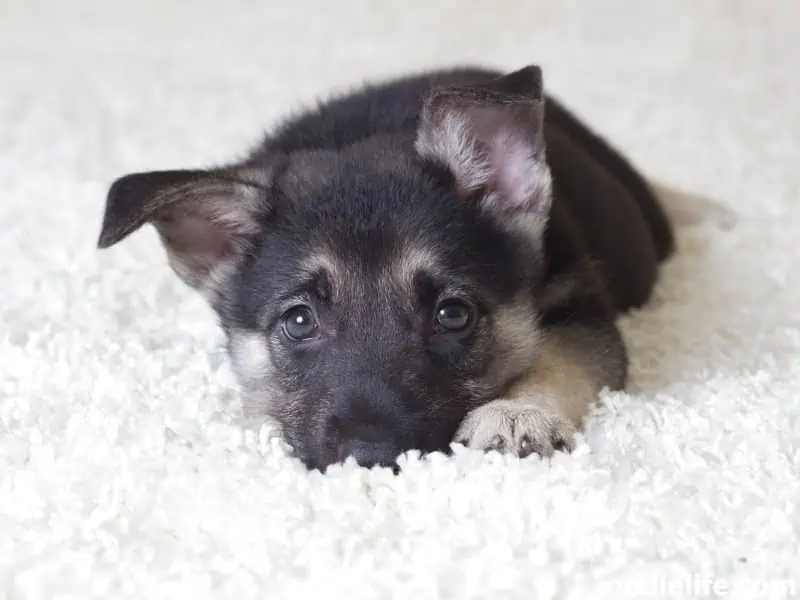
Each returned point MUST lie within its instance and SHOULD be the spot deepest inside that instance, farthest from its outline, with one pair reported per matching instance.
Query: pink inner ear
(491, 147)
(516, 171)
(201, 242)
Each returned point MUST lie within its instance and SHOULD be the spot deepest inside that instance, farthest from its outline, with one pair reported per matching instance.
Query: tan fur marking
(558, 382)
(541, 411)
(518, 337)
(253, 366)
(327, 263)
(410, 261)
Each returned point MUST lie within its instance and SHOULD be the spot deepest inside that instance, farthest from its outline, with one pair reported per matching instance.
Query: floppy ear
(205, 219)
(490, 137)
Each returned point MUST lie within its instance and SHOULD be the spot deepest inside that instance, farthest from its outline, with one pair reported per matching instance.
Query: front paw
(516, 427)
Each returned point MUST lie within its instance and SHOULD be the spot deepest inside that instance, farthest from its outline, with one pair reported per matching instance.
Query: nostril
(368, 454)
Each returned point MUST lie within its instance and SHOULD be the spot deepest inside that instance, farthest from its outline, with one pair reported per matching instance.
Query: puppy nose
(368, 454)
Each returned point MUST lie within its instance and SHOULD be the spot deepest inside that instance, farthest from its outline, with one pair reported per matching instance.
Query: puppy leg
(544, 409)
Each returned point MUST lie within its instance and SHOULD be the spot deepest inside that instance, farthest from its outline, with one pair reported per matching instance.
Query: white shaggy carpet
(123, 472)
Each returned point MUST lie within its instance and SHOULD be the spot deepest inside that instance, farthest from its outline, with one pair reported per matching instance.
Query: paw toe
(531, 445)
(562, 443)
(527, 445)
(498, 443)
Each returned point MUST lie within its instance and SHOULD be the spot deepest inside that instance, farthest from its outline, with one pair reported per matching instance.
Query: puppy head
(372, 295)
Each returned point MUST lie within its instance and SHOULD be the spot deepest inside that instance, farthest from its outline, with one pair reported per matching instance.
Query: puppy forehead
(376, 222)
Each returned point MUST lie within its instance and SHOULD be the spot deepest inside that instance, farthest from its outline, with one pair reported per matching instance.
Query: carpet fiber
(124, 471)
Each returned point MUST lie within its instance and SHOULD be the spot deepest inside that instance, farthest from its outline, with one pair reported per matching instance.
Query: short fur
(457, 244)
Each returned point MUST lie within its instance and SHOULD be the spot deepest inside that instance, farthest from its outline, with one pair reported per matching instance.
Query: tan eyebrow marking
(410, 261)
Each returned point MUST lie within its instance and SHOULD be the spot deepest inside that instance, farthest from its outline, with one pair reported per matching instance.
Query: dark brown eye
(453, 316)
(299, 324)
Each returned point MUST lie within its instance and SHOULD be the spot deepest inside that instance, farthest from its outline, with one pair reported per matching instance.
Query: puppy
(429, 259)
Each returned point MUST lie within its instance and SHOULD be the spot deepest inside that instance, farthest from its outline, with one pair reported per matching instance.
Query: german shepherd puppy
(430, 259)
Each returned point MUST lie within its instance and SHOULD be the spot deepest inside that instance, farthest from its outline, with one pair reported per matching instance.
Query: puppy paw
(516, 427)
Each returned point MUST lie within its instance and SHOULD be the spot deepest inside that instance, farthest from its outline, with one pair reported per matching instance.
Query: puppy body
(435, 258)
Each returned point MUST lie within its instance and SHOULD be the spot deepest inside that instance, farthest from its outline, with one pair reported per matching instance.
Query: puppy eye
(299, 323)
(453, 316)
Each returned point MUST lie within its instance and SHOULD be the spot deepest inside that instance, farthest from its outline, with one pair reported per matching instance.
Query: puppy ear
(205, 219)
(490, 137)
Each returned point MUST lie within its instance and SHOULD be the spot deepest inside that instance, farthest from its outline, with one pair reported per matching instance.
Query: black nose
(369, 454)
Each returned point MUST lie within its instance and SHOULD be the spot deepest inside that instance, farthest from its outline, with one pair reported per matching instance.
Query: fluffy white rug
(123, 472)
